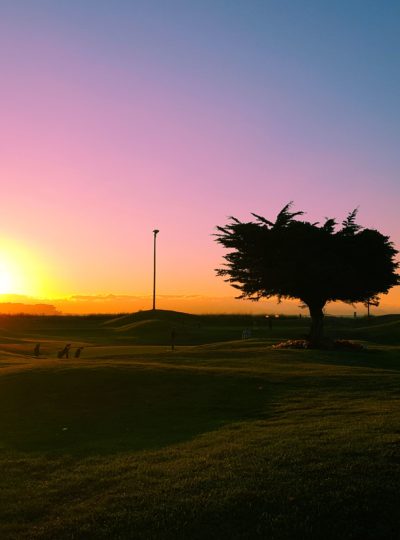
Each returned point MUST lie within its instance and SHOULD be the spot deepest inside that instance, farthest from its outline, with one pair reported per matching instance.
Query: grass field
(219, 439)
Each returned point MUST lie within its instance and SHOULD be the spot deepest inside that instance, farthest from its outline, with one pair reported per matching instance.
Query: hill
(384, 329)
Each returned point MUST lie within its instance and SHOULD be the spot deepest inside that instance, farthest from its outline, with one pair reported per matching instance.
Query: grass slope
(225, 440)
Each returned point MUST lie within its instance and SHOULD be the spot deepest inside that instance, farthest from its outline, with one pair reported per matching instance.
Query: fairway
(221, 438)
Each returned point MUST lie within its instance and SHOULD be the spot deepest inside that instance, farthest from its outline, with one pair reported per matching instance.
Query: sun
(10, 275)
(23, 271)
(6, 281)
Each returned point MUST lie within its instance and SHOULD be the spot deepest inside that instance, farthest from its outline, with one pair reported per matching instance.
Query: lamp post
(155, 232)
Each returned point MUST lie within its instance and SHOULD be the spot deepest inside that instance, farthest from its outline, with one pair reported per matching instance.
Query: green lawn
(220, 440)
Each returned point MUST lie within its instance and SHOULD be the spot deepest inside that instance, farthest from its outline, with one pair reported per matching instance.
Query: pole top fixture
(156, 231)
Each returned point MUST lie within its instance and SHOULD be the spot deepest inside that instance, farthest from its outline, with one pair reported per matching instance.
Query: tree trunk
(317, 324)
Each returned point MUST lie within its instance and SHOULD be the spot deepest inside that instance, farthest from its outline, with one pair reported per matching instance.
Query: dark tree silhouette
(372, 301)
(315, 263)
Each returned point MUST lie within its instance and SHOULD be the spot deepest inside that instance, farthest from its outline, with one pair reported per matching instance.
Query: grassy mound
(156, 327)
(150, 314)
(157, 331)
(380, 330)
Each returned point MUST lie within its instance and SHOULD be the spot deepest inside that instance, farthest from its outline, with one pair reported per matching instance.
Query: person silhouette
(173, 336)
(36, 350)
(78, 352)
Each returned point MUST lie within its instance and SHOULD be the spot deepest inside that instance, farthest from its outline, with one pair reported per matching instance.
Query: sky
(121, 117)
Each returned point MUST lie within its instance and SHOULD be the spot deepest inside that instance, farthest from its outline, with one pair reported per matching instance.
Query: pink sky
(119, 120)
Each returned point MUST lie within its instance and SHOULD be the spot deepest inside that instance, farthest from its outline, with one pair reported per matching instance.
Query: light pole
(155, 232)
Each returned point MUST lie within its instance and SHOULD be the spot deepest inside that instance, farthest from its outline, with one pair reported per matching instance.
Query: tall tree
(316, 263)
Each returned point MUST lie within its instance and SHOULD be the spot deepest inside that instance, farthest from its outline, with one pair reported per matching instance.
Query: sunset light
(200, 269)
(139, 114)
(6, 285)
(22, 272)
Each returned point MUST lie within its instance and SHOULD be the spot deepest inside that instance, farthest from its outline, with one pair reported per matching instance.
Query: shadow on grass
(106, 410)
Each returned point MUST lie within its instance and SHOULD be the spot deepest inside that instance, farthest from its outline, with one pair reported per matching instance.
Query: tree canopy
(316, 263)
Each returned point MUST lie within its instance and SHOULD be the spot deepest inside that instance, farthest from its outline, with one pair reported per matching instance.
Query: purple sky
(119, 117)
